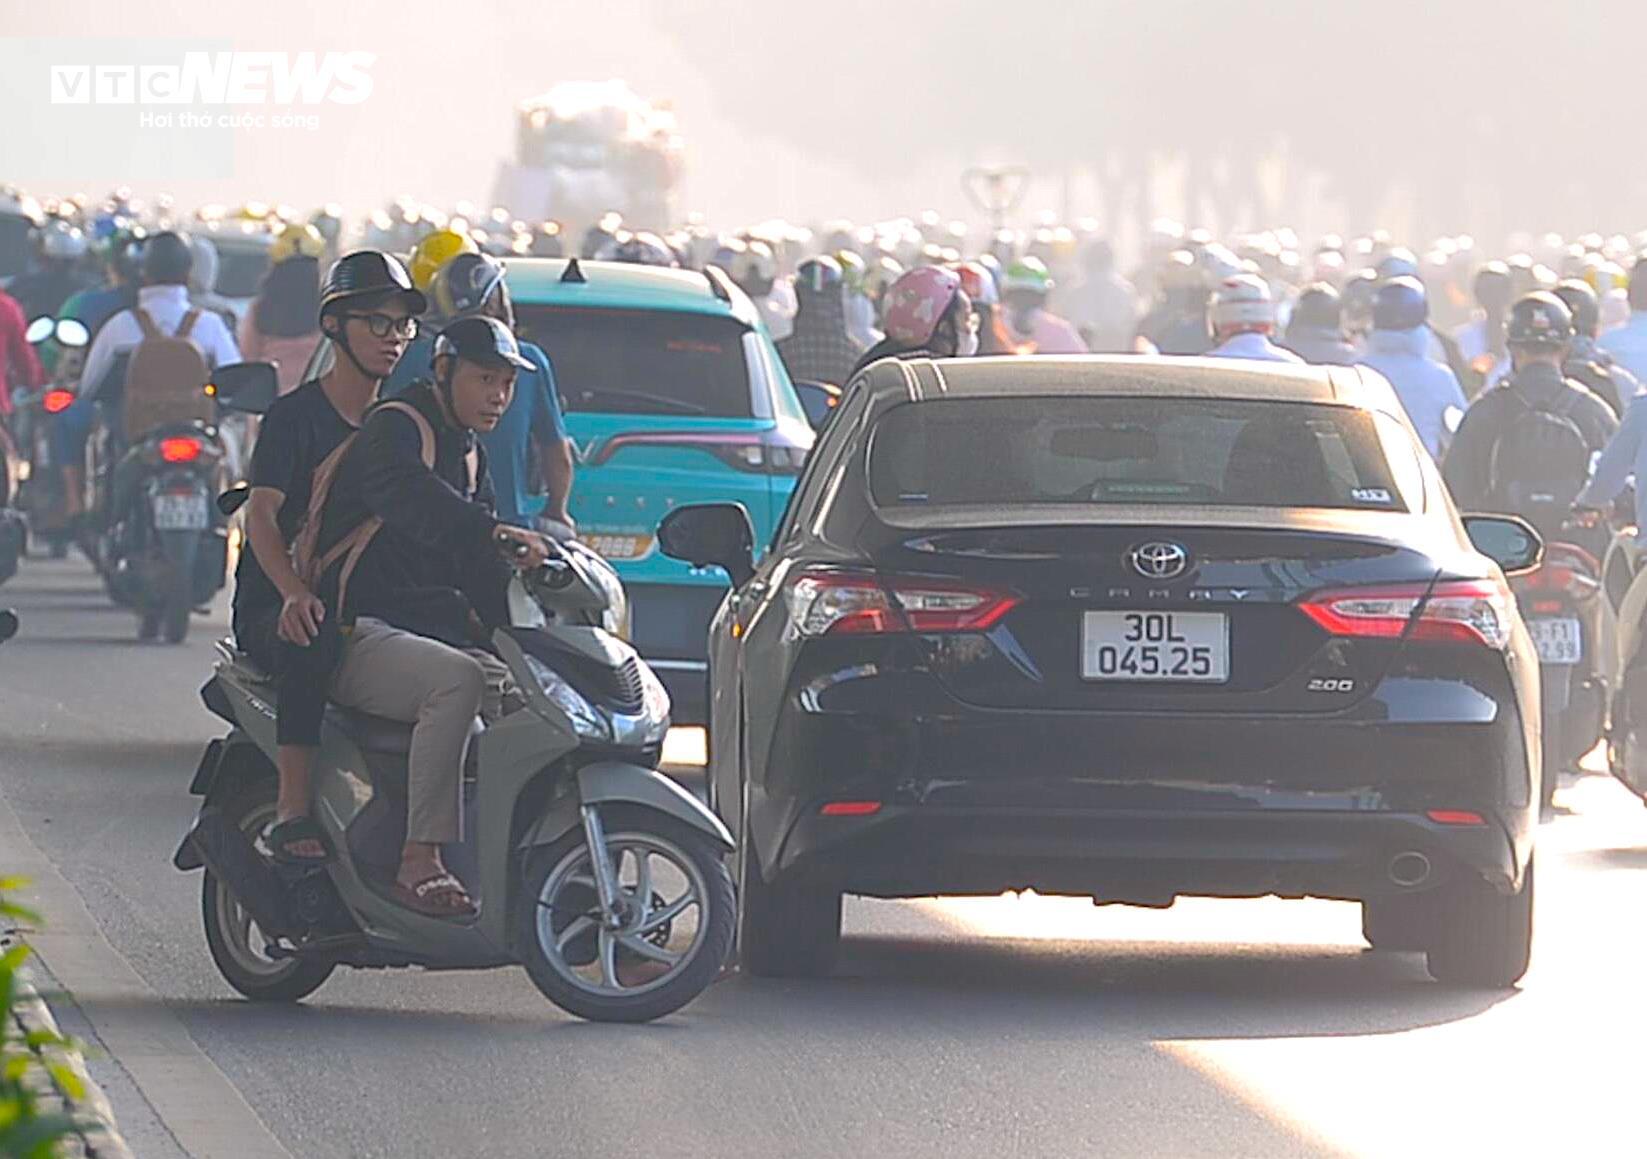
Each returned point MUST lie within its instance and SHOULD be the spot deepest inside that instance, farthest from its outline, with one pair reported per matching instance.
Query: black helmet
(1581, 299)
(369, 274)
(1539, 321)
(819, 275)
(1401, 304)
(167, 260)
(480, 339)
(1357, 299)
(1493, 285)
(1318, 307)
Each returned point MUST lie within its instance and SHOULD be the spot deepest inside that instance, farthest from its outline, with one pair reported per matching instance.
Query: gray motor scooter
(601, 876)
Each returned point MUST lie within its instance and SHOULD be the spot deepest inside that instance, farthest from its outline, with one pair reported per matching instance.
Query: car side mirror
(8, 624)
(1507, 541)
(819, 400)
(711, 535)
(247, 387)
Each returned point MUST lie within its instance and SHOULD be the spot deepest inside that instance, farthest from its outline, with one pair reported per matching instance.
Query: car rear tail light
(847, 603)
(774, 452)
(57, 401)
(851, 809)
(1458, 611)
(181, 449)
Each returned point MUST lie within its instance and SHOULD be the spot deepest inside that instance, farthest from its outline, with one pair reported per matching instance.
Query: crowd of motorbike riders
(378, 534)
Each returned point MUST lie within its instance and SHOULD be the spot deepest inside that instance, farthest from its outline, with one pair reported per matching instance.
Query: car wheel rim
(662, 931)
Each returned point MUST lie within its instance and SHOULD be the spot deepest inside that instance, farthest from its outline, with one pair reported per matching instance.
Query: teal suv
(674, 394)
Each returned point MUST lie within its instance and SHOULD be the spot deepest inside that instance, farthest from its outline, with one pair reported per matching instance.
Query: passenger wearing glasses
(368, 309)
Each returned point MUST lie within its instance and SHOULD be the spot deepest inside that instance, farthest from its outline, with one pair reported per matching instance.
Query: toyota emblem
(1159, 561)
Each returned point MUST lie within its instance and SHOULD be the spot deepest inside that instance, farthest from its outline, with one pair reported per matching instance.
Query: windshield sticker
(1371, 495)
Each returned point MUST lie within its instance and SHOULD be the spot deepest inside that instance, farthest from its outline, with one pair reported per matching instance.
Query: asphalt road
(1003, 1027)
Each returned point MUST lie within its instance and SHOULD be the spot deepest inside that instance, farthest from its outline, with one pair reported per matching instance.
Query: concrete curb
(99, 1138)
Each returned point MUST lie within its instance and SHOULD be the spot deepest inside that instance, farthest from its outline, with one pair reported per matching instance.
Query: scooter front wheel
(667, 943)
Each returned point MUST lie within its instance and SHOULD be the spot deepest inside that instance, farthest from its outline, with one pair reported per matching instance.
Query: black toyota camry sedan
(1129, 629)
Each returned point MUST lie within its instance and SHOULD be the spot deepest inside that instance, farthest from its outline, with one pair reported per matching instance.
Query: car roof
(625, 286)
(1218, 378)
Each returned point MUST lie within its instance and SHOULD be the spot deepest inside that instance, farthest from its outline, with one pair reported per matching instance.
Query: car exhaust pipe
(1409, 869)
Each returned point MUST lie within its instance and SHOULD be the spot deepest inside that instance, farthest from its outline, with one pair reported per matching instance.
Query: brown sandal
(438, 896)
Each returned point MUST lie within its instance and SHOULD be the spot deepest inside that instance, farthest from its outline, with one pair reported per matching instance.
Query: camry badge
(1159, 561)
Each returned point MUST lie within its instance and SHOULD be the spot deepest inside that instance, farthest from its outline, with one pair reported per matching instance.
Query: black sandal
(282, 837)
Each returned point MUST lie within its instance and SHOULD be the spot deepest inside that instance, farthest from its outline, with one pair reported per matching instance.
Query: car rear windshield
(1039, 450)
(643, 361)
(240, 270)
(14, 246)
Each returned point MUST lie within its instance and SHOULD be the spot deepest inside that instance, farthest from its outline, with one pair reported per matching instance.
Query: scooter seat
(374, 734)
(242, 661)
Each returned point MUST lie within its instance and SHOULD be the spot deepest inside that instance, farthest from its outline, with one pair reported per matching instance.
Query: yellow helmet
(297, 241)
(1604, 275)
(435, 250)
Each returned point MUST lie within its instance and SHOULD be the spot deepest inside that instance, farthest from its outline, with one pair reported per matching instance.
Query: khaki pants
(438, 690)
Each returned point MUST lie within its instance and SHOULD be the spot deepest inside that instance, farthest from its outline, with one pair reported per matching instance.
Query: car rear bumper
(1147, 858)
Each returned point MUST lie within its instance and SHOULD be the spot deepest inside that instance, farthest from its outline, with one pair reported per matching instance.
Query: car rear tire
(1400, 922)
(1480, 937)
(790, 928)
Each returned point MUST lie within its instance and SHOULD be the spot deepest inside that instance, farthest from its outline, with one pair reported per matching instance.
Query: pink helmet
(917, 302)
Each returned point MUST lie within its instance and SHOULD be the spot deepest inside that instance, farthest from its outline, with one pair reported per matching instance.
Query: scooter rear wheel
(234, 939)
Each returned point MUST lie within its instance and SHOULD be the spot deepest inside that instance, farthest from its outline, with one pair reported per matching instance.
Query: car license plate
(1156, 646)
(1559, 641)
(183, 511)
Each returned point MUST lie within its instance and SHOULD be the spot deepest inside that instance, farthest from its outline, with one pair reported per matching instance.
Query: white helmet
(61, 241)
(1218, 264)
(754, 265)
(203, 273)
(1241, 302)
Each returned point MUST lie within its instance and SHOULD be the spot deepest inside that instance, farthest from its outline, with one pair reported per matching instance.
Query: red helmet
(917, 302)
(978, 283)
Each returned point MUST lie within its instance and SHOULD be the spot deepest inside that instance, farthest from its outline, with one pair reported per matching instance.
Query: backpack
(1540, 462)
(308, 560)
(165, 378)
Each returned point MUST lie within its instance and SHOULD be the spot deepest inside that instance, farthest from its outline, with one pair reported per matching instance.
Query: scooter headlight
(588, 721)
(654, 705)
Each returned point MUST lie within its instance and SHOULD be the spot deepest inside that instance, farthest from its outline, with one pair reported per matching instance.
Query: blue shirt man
(1625, 456)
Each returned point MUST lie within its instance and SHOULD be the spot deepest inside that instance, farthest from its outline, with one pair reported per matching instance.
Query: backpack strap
(352, 546)
(187, 324)
(145, 323)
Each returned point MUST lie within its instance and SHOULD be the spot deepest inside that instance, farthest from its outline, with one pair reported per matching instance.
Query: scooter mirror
(247, 387)
(39, 330)
(72, 332)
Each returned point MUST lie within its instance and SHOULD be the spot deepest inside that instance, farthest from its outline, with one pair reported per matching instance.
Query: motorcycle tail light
(180, 449)
(1453, 611)
(1567, 570)
(57, 401)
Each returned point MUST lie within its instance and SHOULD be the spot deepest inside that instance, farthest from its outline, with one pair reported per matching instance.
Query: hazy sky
(1459, 114)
